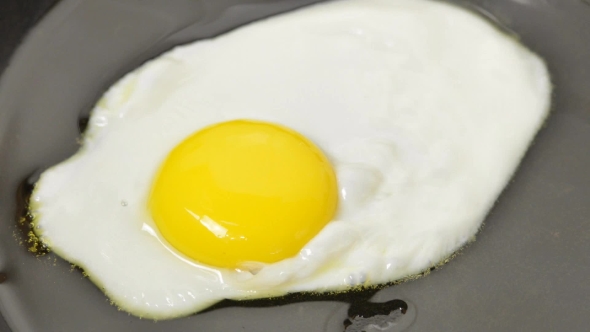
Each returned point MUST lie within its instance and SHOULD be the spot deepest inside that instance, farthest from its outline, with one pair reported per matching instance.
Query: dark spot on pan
(83, 123)
(361, 315)
(367, 309)
(3, 277)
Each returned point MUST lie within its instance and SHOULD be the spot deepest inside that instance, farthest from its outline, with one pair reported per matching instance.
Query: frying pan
(528, 270)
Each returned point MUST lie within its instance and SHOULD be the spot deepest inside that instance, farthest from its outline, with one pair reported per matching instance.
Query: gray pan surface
(529, 269)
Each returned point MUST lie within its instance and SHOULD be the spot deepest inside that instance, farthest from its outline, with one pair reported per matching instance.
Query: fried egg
(345, 144)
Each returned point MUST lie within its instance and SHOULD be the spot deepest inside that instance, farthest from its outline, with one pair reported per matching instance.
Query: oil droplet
(100, 121)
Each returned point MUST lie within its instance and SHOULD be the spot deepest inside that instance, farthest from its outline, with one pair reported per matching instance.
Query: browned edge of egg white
(26, 236)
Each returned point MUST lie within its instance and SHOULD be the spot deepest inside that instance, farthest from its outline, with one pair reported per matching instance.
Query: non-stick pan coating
(528, 270)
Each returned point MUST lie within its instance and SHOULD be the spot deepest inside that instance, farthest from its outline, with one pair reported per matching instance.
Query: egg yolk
(243, 191)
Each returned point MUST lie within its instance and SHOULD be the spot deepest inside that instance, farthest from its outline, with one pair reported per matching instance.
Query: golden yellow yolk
(243, 191)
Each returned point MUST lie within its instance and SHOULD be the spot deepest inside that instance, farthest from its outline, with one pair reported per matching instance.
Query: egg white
(425, 110)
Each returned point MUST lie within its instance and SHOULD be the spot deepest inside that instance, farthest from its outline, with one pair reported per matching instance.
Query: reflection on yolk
(243, 191)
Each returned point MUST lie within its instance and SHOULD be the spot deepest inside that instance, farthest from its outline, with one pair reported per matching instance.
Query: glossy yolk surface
(243, 191)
